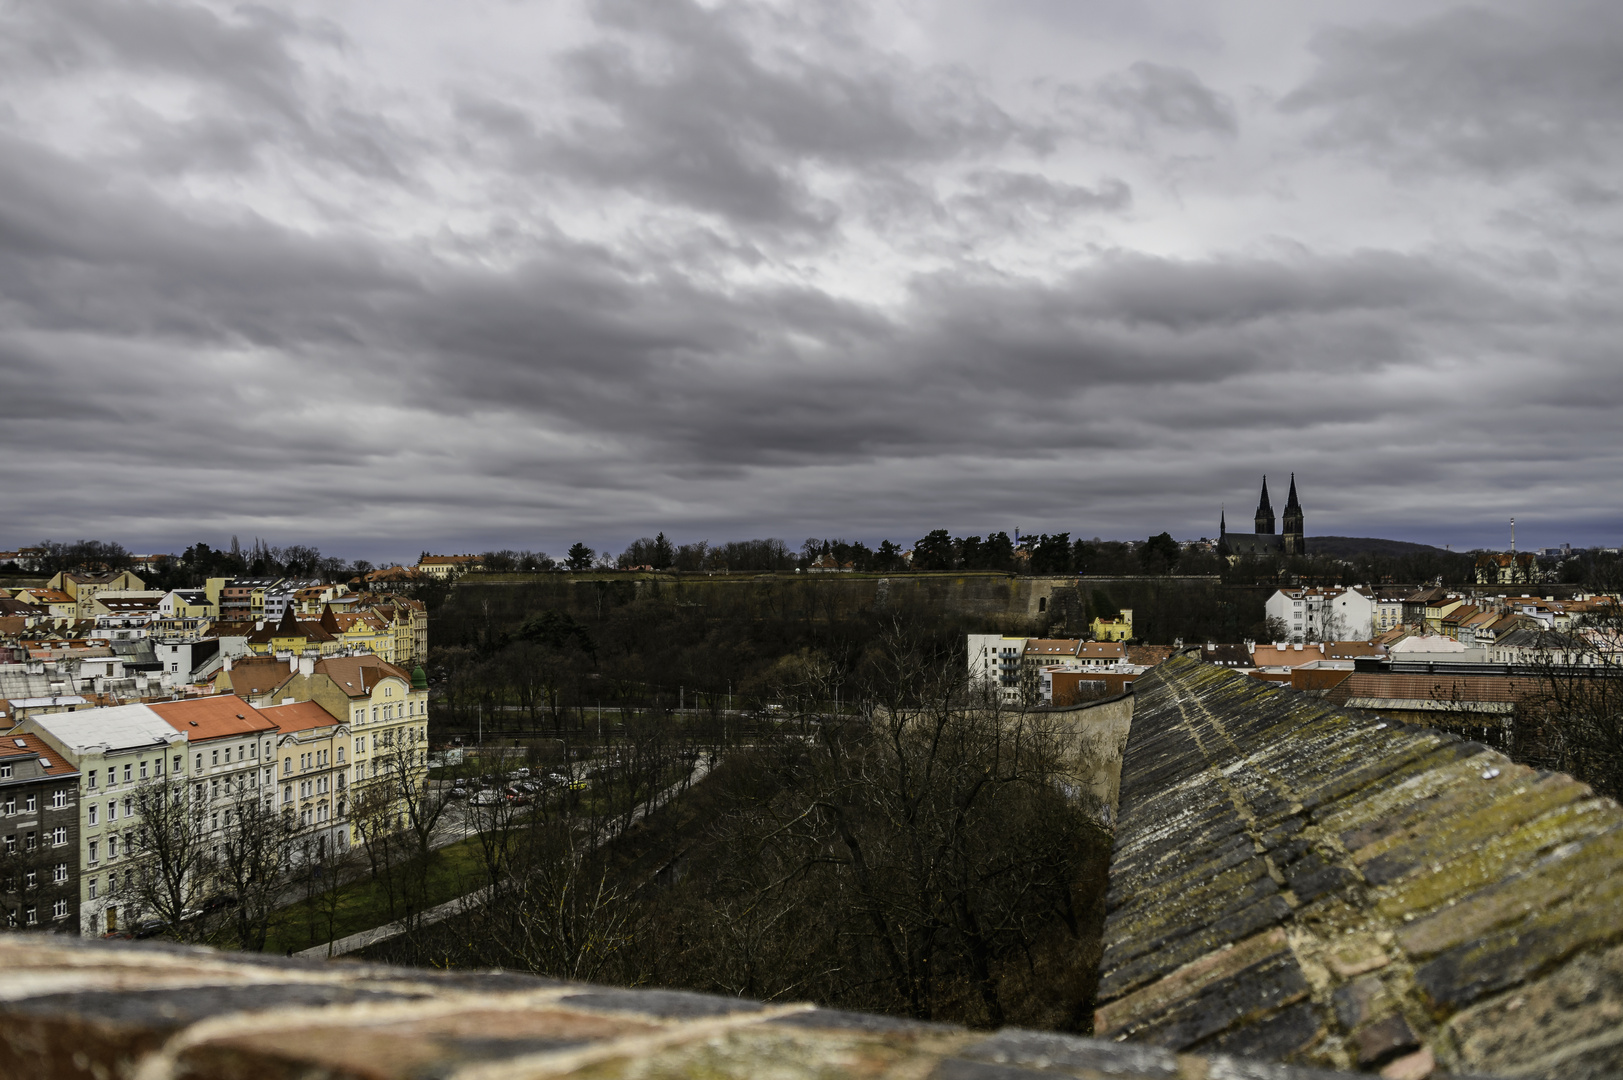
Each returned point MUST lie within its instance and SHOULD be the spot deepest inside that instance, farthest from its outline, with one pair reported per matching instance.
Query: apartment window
(177, 762)
(340, 755)
(32, 917)
(11, 805)
(59, 798)
(90, 779)
(253, 750)
(31, 804)
(287, 793)
(92, 889)
(157, 767)
(30, 879)
(287, 766)
(128, 778)
(228, 755)
(143, 770)
(112, 846)
(5, 772)
(59, 873)
(200, 762)
(59, 836)
(93, 809)
(215, 759)
(92, 857)
(214, 820)
(59, 910)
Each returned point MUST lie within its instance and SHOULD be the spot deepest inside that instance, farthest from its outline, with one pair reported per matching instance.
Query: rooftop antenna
(1513, 536)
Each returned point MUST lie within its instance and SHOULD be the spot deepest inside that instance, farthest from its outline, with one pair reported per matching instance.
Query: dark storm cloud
(246, 89)
(750, 271)
(1158, 96)
(722, 109)
(1473, 89)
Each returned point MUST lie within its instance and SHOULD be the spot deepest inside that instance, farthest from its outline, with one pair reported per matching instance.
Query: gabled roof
(300, 716)
(357, 675)
(258, 675)
(218, 717)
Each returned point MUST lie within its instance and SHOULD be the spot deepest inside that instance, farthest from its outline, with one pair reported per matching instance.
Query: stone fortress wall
(1295, 883)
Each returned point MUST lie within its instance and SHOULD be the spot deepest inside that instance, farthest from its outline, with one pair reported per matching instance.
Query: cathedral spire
(1265, 512)
(1295, 543)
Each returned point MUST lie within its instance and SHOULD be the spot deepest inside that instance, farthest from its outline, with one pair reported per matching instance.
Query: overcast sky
(398, 275)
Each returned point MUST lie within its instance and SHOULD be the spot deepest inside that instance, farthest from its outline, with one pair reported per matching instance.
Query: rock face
(1296, 883)
(102, 1010)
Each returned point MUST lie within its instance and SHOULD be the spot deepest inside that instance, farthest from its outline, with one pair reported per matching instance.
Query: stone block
(1384, 1040)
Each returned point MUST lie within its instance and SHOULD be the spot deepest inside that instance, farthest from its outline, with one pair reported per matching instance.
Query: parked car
(485, 798)
(522, 774)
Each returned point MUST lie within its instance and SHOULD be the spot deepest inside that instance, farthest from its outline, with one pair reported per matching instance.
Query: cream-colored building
(115, 750)
(312, 775)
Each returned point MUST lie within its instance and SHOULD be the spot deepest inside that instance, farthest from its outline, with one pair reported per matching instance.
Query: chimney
(228, 661)
(307, 666)
(293, 662)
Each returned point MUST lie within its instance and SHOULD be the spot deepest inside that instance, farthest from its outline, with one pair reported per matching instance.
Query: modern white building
(996, 660)
(1325, 614)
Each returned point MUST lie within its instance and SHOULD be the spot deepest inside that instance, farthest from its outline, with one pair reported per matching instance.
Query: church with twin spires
(1265, 541)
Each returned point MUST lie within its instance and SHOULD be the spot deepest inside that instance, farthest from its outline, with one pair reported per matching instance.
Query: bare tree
(254, 859)
(1578, 708)
(176, 861)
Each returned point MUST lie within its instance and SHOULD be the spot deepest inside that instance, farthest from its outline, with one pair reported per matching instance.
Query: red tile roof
(219, 716)
(300, 716)
(15, 744)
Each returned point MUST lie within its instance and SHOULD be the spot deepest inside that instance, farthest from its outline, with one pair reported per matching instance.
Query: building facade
(39, 836)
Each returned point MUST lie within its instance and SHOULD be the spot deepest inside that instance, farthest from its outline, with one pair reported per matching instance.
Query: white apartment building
(996, 659)
(1324, 614)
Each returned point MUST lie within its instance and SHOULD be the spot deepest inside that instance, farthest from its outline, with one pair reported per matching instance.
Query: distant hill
(1345, 547)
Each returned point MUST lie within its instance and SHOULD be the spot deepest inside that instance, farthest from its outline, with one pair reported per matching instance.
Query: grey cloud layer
(280, 362)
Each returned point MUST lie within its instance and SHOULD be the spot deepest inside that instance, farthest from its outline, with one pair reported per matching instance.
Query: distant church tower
(1265, 513)
(1295, 543)
(1264, 541)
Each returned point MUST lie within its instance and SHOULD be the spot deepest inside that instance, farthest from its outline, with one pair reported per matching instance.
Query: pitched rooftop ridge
(71, 1007)
(1297, 883)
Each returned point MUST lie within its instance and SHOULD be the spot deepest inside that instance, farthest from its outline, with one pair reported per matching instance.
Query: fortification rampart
(143, 1012)
(1296, 883)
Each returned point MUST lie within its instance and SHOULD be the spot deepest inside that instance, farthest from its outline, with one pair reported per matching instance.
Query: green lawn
(453, 871)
